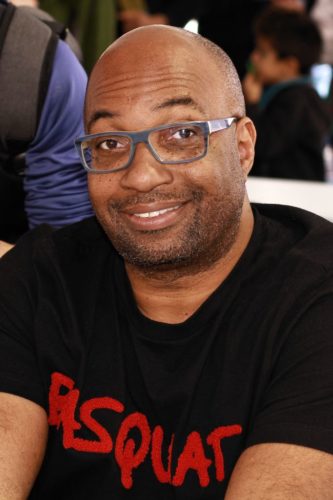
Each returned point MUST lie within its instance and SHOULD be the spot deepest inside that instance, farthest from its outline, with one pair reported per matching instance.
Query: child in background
(291, 119)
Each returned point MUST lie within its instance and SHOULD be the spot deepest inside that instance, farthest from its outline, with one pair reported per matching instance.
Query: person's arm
(289, 453)
(23, 399)
(55, 182)
(4, 247)
(278, 471)
(23, 436)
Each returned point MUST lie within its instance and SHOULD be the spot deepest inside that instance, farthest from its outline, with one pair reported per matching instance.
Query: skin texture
(21, 451)
(4, 247)
(200, 241)
(278, 471)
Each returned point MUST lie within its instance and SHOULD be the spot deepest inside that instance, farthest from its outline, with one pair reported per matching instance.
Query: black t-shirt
(143, 410)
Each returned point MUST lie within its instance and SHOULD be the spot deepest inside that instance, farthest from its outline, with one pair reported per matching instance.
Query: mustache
(156, 196)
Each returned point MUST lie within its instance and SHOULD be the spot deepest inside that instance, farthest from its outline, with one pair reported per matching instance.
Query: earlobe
(246, 136)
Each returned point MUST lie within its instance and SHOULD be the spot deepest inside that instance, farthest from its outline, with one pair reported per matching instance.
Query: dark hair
(292, 34)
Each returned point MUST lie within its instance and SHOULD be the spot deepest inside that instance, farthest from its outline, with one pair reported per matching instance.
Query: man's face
(165, 216)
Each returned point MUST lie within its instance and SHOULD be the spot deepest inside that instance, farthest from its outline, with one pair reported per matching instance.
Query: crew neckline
(158, 331)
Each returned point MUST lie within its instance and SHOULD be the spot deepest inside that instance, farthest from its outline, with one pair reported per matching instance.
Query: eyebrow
(177, 101)
(99, 115)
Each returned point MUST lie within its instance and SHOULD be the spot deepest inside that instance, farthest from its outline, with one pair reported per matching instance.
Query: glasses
(169, 144)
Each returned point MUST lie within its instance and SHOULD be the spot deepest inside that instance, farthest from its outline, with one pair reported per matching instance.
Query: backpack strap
(27, 48)
(23, 80)
(6, 14)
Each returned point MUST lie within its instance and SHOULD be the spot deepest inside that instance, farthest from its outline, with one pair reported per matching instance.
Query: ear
(246, 138)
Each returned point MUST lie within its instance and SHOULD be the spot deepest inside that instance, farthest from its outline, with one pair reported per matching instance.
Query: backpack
(28, 41)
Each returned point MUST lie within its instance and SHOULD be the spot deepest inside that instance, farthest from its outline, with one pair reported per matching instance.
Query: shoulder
(299, 94)
(302, 237)
(297, 88)
(44, 244)
(61, 115)
(297, 219)
(63, 266)
(82, 238)
(68, 76)
(65, 57)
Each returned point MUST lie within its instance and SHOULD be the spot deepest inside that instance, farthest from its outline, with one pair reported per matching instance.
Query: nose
(145, 173)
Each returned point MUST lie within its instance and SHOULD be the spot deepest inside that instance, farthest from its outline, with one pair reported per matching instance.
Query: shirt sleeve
(297, 407)
(55, 182)
(19, 366)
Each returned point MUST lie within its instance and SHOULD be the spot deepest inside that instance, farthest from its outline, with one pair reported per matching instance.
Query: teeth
(156, 213)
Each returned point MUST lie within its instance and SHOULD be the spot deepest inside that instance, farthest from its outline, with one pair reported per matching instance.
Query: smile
(154, 217)
(155, 213)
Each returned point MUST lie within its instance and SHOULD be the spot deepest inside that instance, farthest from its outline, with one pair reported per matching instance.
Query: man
(190, 344)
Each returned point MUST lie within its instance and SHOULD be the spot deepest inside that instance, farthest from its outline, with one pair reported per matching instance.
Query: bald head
(153, 47)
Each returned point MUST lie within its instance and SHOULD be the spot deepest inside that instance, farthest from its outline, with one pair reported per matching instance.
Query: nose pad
(145, 172)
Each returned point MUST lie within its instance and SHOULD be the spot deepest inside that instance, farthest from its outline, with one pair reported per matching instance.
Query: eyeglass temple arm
(216, 125)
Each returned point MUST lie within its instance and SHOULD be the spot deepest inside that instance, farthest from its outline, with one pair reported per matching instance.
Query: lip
(161, 215)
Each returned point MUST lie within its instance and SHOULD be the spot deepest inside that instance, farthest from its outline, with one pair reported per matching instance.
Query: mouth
(155, 213)
(154, 216)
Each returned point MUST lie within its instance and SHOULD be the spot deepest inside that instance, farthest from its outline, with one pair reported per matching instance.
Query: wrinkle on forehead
(126, 79)
(152, 86)
(140, 84)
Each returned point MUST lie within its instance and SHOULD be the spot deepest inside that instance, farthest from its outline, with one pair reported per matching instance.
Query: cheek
(197, 177)
(101, 188)
(210, 182)
(219, 169)
(102, 185)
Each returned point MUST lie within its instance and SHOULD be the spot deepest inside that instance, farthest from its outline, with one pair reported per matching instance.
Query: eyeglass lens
(172, 144)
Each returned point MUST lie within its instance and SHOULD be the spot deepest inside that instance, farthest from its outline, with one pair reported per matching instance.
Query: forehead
(142, 85)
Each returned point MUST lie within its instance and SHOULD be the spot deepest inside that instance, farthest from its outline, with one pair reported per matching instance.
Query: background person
(42, 87)
(293, 122)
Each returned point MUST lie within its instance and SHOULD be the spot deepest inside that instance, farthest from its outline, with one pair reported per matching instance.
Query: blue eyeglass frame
(208, 127)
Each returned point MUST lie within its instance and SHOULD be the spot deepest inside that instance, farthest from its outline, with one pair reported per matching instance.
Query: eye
(183, 133)
(109, 144)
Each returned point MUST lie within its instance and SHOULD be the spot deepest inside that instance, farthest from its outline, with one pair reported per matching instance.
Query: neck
(172, 296)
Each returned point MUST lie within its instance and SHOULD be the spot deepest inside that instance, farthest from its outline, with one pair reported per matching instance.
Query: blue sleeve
(55, 182)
